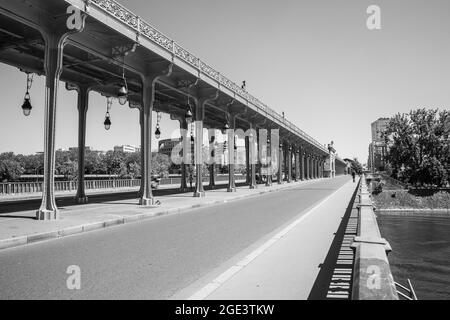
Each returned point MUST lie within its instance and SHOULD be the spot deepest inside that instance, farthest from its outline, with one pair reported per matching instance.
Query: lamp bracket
(122, 51)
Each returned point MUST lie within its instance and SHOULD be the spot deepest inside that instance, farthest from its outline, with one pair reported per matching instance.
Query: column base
(199, 194)
(81, 200)
(184, 189)
(47, 215)
(252, 186)
(231, 189)
(148, 202)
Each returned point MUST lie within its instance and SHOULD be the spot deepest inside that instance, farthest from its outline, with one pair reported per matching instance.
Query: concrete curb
(92, 226)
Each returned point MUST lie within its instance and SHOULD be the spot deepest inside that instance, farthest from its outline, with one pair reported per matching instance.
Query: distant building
(127, 148)
(378, 147)
(166, 146)
(379, 128)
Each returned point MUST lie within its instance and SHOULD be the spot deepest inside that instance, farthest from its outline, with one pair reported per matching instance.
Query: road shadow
(321, 284)
(17, 217)
(9, 207)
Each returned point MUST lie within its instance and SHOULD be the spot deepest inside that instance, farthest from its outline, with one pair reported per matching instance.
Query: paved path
(164, 257)
(286, 265)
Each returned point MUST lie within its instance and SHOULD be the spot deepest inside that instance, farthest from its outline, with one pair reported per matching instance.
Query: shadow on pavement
(323, 280)
(8, 207)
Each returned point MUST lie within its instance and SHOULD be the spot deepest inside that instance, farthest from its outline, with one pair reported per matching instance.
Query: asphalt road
(156, 258)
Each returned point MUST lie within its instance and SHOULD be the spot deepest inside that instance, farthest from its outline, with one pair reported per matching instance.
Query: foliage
(404, 199)
(160, 164)
(377, 187)
(125, 165)
(10, 170)
(68, 169)
(418, 147)
(357, 166)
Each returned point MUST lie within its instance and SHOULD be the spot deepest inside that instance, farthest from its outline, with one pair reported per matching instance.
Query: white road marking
(230, 272)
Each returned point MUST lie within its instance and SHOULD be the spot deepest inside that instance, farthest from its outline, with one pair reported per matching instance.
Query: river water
(420, 252)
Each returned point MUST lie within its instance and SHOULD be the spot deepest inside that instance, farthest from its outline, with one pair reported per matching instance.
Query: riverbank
(409, 201)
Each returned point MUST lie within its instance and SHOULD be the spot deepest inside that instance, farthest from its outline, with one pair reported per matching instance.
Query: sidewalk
(20, 228)
(72, 193)
(286, 264)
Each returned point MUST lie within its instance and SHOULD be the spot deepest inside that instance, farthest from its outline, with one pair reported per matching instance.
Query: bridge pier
(289, 163)
(232, 113)
(252, 157)
(198, 143)
(280, 164)
(186, 146)
(247, 160)
(269, 153)
(315, 168)
(83, 104)
(148, 99)
(53, 66)
(212, 154)
(302, 164)
(308, 172)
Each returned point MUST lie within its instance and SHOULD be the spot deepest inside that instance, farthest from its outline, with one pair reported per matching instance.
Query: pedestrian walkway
(89, 192)
(287, 263)
(20, 228)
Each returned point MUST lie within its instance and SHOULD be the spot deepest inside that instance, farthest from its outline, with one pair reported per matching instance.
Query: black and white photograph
(227, 158)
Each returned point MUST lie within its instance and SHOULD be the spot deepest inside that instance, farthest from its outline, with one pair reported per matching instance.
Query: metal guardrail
(31, 187)
(373, 279)
(406, 293)
(143, 28)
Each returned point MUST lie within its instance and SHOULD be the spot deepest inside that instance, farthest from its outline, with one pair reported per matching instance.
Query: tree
(418, 146)
(94, 163)
(10, 170)
(357, 166)
(68, 169)
(113, 161)
(160, 164)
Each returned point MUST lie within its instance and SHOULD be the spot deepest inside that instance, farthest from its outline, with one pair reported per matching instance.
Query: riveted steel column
(297, 169)
(247, 160)
(212, 154)
(231, 154)
(280, 162)
(313, 167)
(289, 163)
(269, 158)
(148, 99)
(142, 133)
(185, 154)
(252, 155)
(302, 164)
(53, 64)
(198, 149)
(83, 102)
(308, 167)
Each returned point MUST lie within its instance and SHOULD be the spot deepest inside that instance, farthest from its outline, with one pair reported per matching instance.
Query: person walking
(353, 174)
(190, 180)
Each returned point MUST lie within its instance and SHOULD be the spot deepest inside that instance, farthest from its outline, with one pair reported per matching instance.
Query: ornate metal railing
(12, 188)
(143, 28)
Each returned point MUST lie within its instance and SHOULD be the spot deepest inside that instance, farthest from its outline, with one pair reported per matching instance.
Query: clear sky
(314, 60)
